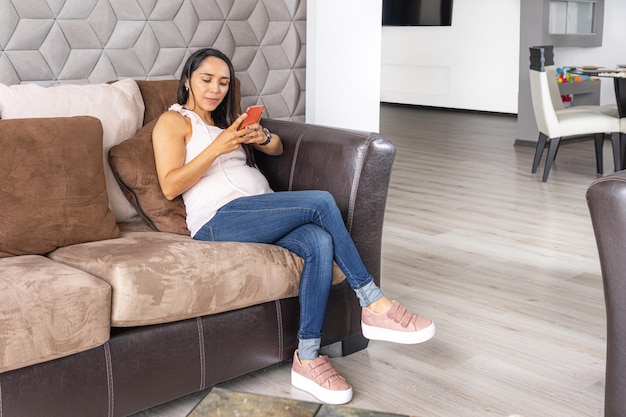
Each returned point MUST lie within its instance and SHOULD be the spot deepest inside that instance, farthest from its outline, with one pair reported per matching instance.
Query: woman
(201, 154)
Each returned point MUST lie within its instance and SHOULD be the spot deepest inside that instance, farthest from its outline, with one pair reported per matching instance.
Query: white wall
(343, 63)
(472, 64)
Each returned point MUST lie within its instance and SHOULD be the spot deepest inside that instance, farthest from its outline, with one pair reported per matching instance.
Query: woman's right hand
(230, 138)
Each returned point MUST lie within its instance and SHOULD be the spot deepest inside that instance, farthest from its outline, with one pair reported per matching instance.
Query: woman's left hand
(256, 136)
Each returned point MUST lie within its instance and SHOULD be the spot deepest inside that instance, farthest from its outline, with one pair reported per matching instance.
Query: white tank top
(227, 179)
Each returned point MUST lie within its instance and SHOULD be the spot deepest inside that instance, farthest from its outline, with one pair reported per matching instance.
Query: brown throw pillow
(52, 185)
(133, 164)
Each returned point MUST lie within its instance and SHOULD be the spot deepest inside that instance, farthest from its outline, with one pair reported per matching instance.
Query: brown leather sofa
(606, 198)
(143, 366)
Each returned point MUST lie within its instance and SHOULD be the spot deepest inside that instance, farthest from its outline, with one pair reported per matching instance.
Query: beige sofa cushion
(164, 277)
(52, 186)
(49, 310)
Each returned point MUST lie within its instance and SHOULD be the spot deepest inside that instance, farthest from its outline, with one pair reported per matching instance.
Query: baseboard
(450, 109)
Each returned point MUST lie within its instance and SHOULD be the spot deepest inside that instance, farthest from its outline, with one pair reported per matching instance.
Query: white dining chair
(622, 129)
(554, 126)
(557, 102)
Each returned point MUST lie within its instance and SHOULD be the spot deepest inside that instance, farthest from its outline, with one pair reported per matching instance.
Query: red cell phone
(254, 115)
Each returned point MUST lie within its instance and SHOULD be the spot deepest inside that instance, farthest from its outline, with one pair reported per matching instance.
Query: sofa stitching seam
(109, 371)
(1, 407)
(142, 212)
(355, 184)
(201, 348)
(279, 318)
(294, 161)
(609, 179)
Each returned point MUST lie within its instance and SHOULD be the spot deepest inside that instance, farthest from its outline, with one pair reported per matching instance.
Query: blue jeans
(309, 224)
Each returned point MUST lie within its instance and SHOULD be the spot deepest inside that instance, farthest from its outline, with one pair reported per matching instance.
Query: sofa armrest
(606, 199)
(355, 167)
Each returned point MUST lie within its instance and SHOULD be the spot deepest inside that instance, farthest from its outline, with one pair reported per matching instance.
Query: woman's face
(208, 85)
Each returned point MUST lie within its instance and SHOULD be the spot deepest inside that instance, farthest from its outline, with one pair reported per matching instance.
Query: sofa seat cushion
(163, 277)
(49, 310)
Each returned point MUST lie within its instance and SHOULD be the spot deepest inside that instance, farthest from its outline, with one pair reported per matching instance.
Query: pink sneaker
(397, 325)
(320, 379)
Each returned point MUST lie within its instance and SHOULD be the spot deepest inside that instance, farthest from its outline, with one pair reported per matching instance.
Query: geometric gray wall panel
(92, 41)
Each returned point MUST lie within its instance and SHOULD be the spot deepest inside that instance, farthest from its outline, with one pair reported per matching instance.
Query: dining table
(618, 75)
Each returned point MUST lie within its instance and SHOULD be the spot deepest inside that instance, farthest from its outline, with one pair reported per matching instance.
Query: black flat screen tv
(417, 12)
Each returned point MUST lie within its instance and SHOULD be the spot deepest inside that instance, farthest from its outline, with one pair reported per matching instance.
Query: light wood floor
(505, 264)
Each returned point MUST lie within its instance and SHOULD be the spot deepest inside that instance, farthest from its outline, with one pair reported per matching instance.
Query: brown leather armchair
(606, 198)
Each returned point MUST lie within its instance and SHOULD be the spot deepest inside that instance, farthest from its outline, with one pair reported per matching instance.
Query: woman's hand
(231, 138)
(256, 136)
(253, 134)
